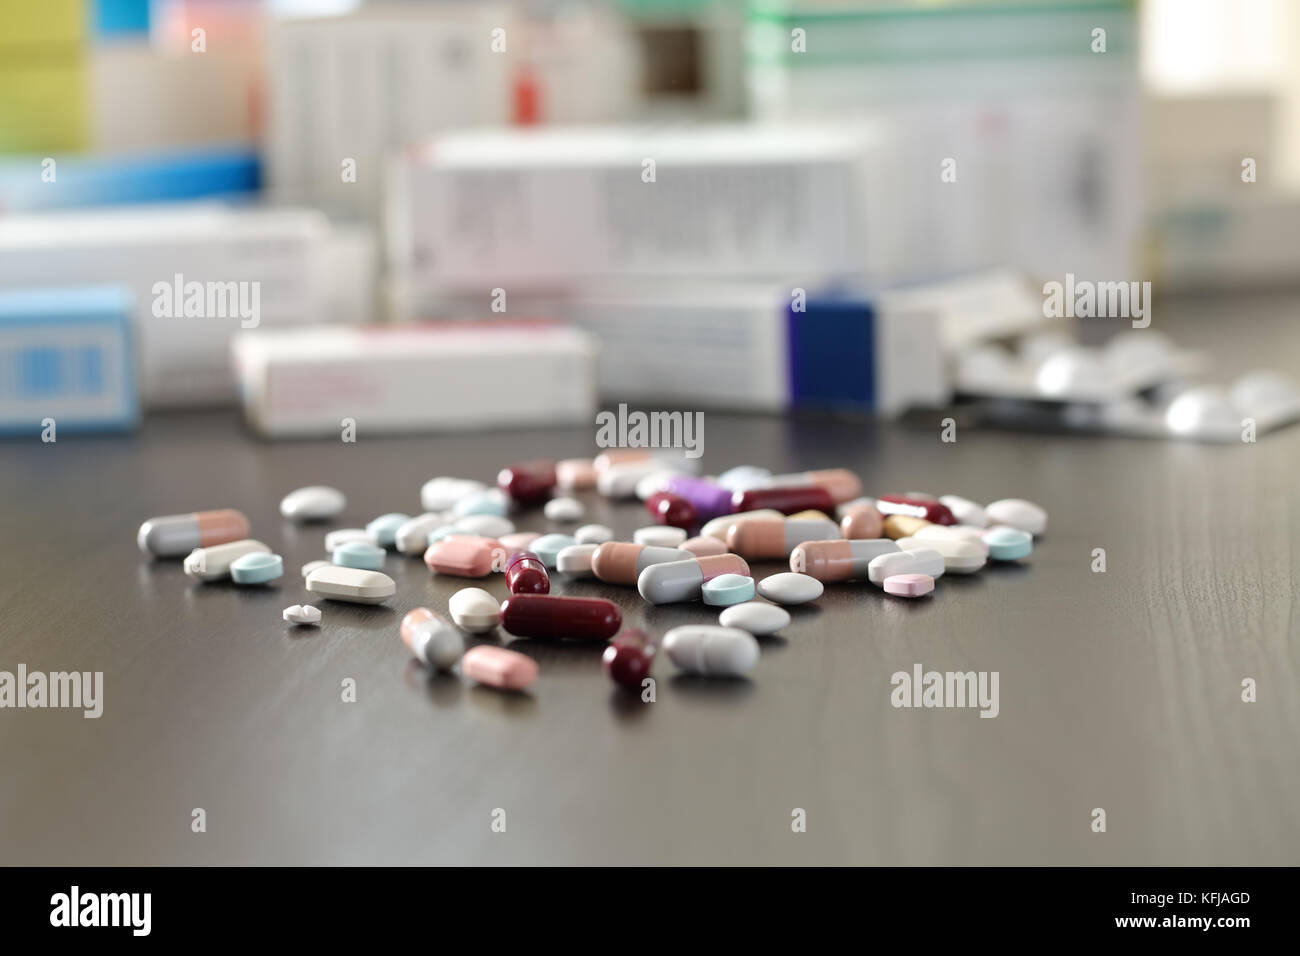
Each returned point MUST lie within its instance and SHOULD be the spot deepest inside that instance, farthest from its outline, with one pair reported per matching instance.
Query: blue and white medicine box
(66, 356)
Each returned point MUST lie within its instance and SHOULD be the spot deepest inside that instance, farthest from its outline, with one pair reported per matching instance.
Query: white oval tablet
(341, 536)
(413, 536)
(790, 587)
(593, 534)
(313, 503)
(1018, 513)
(711, 650)
(575, 560)
(919, 561)
(620, 481)
(756, 617)
(311, 566)
(440, 494)
(960, 554)
(564, 509)
(351, 584)
(485, 526)
(213, 563)
(474, 610)
(659, 536)
(302, 614)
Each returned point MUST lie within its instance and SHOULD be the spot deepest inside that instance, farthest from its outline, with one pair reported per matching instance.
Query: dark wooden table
(1119, 690)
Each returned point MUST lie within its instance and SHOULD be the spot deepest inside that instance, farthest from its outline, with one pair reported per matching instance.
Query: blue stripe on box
(110, 180)
(55, 364)
(832, 354)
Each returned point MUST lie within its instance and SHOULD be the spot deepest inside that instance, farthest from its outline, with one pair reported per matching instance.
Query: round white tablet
(593, 534)
(564, 509)
(474, 610)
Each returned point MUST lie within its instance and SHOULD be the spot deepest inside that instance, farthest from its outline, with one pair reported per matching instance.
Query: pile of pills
(705, 533)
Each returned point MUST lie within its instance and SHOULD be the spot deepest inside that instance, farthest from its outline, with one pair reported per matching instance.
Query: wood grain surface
(1119, 690)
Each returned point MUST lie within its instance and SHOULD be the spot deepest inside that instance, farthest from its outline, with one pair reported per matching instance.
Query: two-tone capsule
(431, 638)
(173, 535)
(838, 560)
(621, 562)
(552, 618)
(771, 538)
(676, 581)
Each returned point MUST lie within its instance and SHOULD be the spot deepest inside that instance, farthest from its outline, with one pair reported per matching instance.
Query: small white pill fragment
(790, 587)
(756, 617)
(306, 614)
(711, 651)
(440, 494)
(960, 554)
(474, 610)
(313, 503)
(485, 526)
(311, 566)
(351, 584)
(564, 509)
(341, 536)
(919, 561)
(575, 560)
(659, 536)
(593, 534)
(965, 510)
(213, 563)
(1018, 513)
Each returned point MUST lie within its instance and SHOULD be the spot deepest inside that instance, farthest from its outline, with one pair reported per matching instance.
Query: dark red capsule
(528, 481)
(557, 618)
(526, 574)
(628, 658)
(787, 500)
(932, 511)
(671, 509)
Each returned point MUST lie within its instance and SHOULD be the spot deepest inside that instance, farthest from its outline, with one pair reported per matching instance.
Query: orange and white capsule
(760, 538)
(838, 560)
(621, 562)
(840, 483)
(431, 638)
(683, 580)
(175, 535)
